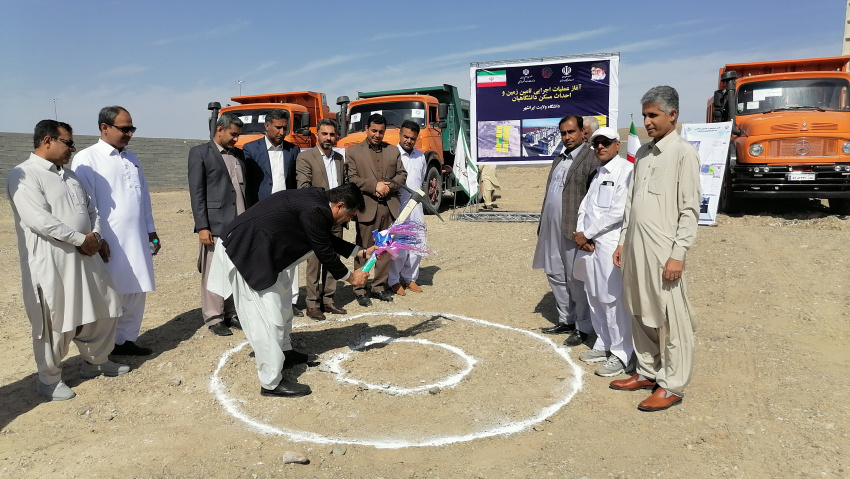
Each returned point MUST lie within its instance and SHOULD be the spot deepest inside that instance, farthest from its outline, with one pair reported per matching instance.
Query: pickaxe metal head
(418, 197)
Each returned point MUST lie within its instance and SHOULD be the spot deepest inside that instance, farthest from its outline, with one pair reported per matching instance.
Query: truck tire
(433, 187)
(726, 202)
(840, 206)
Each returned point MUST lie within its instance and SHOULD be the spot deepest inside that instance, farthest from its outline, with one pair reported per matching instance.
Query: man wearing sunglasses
(114, 179)
(67, 293)
(556, 246)
(600, 218)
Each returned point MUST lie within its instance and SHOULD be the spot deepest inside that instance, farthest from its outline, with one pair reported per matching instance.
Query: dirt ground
(470, 388)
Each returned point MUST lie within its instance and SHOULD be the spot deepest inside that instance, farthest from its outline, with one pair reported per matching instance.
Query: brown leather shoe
(659, 401)
(316, 313)
(413, 287)
(398, 289)
(632, 384)
(334, 309)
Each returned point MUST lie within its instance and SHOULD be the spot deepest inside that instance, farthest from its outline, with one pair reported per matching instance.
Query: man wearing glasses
(556, 249)
(600, 218)
(67, 292)
(113, 177)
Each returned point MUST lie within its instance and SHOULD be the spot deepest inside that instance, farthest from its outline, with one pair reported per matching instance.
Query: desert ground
(458, 381)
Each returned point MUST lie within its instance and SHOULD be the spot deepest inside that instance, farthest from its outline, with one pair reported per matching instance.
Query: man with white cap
(600, 219)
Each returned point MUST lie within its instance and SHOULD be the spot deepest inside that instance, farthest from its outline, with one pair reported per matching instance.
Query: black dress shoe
(233, 323)
(294, 358)
(577, 337)
(560, 328)
(297, 312)
(334, 309)
(287, 389)
(385, 295)
(129, 348)
(363, 300)
(221, 329)
(315, 313)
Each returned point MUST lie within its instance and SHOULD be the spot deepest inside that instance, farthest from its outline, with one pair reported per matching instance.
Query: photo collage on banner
(516, 105)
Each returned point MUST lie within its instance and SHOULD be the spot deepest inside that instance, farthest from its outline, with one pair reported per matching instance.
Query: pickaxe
(416, 198)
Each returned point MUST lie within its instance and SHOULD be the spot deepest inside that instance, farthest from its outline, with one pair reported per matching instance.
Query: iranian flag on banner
(464, 170)
(634, 143)
(492, 78)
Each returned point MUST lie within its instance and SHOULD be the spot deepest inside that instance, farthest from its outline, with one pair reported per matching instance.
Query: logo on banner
(546, 72)
(526, 78)
(566, 78)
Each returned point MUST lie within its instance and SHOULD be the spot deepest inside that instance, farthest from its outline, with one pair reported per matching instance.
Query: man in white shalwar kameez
(404, 269)
(67, 292)
(114, 179)
(659, 228)
(600, 218)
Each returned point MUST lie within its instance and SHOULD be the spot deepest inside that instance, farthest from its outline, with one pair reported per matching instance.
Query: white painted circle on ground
(232, 406)
(334, 365)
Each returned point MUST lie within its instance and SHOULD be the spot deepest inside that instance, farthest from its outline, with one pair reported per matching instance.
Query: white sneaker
(56, 392)
(612, 367)
(109, 368)
(594, 356)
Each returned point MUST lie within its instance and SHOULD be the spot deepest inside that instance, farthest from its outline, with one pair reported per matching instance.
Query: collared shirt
(237, 177)
(602, 209)
(277, 166)
(330, 168)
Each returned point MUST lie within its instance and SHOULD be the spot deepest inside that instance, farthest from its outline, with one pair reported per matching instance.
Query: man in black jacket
(258, 247)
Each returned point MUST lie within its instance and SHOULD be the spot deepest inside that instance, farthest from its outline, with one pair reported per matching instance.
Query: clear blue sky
(164, 61)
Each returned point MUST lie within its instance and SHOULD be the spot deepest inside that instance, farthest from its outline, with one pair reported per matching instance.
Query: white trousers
(94, 340)
(130, 321)
(570, 298)
(613, 326)
(405, 267)
(293, 279)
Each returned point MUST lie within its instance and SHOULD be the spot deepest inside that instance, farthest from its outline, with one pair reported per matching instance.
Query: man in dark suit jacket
(567, 185)
(368, 163)
(256, 250)
(271, 168)
(217, 190)
(321, 167)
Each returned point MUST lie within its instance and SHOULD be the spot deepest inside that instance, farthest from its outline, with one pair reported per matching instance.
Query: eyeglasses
(124, 129)
(68, 143)
(604, 142)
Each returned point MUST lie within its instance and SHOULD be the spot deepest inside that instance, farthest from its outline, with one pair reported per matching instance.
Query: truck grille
(821, 181)
(801, 147)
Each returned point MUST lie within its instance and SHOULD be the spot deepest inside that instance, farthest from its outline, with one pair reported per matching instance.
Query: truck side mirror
(214, 107)
(442, 111)
(305, 120)
(718, 100)
(441, 124)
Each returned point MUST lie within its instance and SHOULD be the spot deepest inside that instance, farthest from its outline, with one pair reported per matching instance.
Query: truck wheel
(840, 206)
(726, 203)
(433, 187)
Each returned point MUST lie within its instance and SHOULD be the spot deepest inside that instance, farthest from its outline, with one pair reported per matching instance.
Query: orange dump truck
(791, 130)
(305, 109)
(442, 117)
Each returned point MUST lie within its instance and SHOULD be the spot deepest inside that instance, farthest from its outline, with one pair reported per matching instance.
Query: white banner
(712, 142)
(464, 170)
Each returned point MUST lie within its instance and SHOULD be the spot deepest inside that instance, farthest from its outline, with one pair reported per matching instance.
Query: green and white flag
(464, 170)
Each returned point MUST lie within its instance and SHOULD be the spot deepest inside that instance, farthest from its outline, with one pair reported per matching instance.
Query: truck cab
(791, 130)
(305, 109)
(440, 114)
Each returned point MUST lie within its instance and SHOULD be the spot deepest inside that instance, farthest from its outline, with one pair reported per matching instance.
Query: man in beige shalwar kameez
(660, 226)
(68, 294)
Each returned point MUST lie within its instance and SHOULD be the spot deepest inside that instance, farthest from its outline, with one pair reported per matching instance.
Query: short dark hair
(348, 193)
(48, 128)
(578, 118)
(108, 113)
(228, 119)
(326, 121)
(410, 125)
(377, 119)
(277, 114)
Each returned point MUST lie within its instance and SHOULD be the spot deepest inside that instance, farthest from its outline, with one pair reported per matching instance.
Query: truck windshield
(254, 121)
(394, 111)
(802, 94)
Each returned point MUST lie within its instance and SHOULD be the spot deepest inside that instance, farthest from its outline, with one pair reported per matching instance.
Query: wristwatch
(98, 238)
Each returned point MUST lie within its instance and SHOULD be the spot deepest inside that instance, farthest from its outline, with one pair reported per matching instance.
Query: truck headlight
(846, 147)
(756, 149)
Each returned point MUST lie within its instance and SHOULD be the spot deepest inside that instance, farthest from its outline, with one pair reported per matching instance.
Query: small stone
(539, 428)
(339, 450)
(176, 382)
(291, 457)
(434, 391)
(749, 431)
